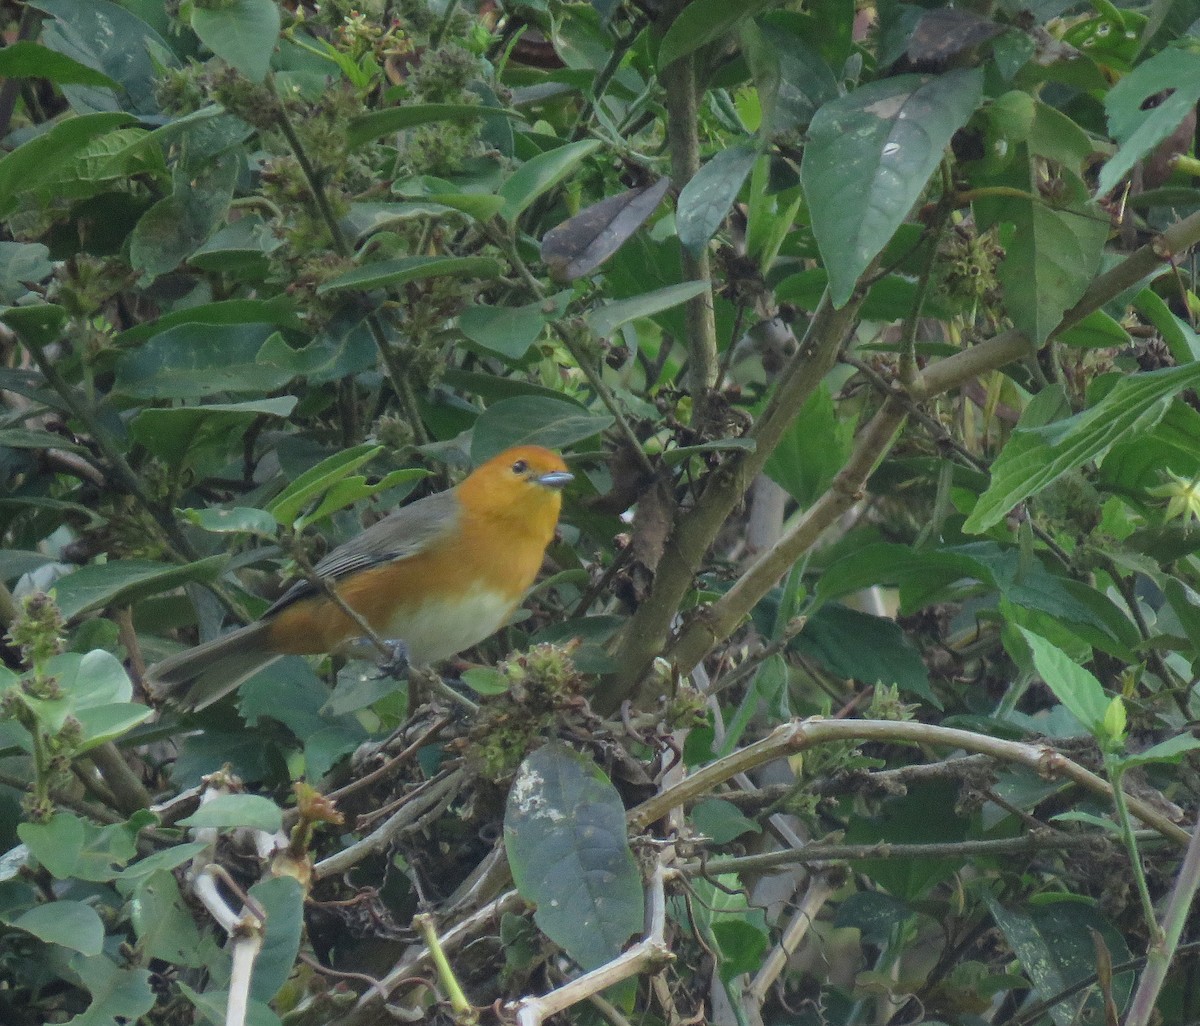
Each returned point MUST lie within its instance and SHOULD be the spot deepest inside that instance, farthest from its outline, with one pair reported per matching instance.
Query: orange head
(522, 486)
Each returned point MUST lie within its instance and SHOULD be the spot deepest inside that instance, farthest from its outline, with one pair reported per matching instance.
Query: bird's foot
(396, 665)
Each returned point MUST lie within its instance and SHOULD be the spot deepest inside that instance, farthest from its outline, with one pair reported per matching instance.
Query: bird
(433, 578)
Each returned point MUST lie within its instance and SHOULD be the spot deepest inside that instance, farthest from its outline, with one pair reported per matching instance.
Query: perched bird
(438, 575)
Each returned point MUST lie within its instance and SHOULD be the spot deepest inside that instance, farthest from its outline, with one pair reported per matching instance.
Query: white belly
(436, 632)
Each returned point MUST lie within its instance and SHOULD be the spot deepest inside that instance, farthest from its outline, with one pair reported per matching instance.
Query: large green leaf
(192, 361)
(869, 156)
(1055, 943)
(1072, 685)
(540, 174)
(115, 42)
(24, 59)
(1034, 457)
(1172, 78)
(532, 420)
(700, 22)
(371, 126)
(123, 581)
(242, 32)
(33, 162)
(406, 269)
(564, 832)
(707, 197)
(1052, 254)
(606, 319)
(72, 924)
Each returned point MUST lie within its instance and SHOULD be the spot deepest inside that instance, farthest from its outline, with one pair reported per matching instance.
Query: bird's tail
(198, 677)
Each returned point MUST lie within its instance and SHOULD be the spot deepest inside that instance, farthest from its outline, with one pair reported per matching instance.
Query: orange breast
(438, 601)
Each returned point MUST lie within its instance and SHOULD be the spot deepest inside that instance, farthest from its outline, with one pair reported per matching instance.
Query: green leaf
(564, 832)
(540, 174)
(869, 156)
(72, 924)
(119, 996)
(24, 59)
(485, 680)
(1072, 685)
(172, 433)
(1170, 751)
(605, 320)
(237, 810)
(32, 163)
(1096, 331)
(510, 330)
(370, 127)
(734, 930)
(813, 449)
(532, 420)
(406, 269)
(1055, 946)
(1052, 256)
(1035, 457)
(174, 228)
(241, 32)
(20, 264)
(708, 195)
(354, 489)
(71, 848)
(871, 649)
(236, 520)
(163, 922)
(582, 243)
(192, 361)
(701, 22)
(721, 821)
(283, 901)
(1138, 125)
(317, 480)
(124, 581)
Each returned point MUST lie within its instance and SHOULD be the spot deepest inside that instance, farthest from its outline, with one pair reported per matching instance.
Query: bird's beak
(555, 479)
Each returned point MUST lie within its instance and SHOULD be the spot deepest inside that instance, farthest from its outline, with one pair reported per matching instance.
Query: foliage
(878, 322)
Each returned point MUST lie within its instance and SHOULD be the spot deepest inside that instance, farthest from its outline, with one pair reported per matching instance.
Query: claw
(395, 665)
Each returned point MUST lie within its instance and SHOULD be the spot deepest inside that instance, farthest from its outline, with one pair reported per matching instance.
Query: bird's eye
(520, 467)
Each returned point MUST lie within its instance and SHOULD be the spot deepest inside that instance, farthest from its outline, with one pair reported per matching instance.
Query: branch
(796, 735)
(820, 889)
(1162, 949)
(721, 618)
(646, 633)
(382, 836)
(649, 953)
(819, 853)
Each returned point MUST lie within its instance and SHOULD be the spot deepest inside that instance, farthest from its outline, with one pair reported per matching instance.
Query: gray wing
(403, 533)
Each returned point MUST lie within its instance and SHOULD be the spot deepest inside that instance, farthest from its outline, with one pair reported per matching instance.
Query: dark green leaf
(540, 174)
(721, 821)
(707, 197)
(283, 901)
(564, 831)
(124, 581)
(31, 164)
(700, 22)
(868, 159)
(24, 59)
(406, 269)
(605, 320)
(242, 32)
(237, 810)
(371, 126)
(532, 420)
(1035, 457)
(1139, 125)
(72, 924)
(119, 996)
